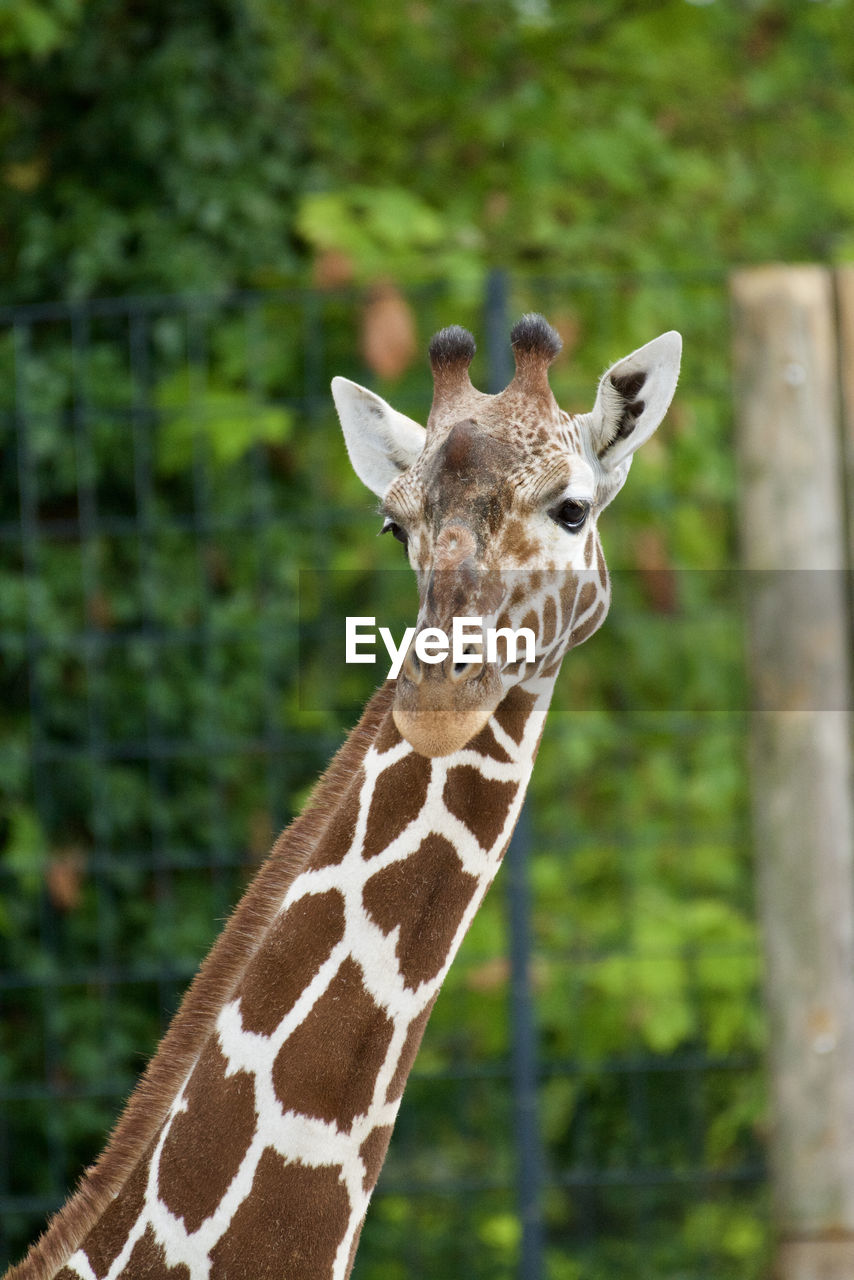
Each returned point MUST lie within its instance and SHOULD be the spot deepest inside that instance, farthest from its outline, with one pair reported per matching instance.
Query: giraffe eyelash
(392, 527)
(571, 514)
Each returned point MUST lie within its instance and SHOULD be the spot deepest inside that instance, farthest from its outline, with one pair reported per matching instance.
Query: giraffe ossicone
(251, 1146)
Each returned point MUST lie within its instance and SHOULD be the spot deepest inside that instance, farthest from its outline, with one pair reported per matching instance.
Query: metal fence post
(524, 1056)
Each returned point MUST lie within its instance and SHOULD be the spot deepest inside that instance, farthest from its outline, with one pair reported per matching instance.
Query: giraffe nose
(418, 672)
(440, 706)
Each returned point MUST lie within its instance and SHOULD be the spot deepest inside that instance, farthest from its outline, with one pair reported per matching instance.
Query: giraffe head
(496, 502)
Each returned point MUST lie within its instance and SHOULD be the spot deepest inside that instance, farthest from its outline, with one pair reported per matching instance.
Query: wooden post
(845, 302)
(794, 552)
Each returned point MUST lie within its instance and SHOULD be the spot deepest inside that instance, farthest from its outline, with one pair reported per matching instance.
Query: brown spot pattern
(299, 943)
(388, 735)
(481, 803)
(200, 1158)
(567, 600)
(513, 711)
(590, 625)
(328, 1067)
(601, 567)
(411, 1044)
(425, 895)
(517, 595)
(586, 597)
(398, 798)
(549, 622)
(289, 1226)
(106, 1240)
(486, 745)
(339, 831)
(518, 543)
(372, 1153)
(148, 1262)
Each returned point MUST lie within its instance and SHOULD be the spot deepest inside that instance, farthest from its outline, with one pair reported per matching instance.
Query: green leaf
(216, 423)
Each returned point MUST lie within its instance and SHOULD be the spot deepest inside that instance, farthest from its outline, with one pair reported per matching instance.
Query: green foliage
(152, 150)
(182, 474)
(37, 27)
(167, 668)
(181, 496)
(225, 422)
(214, 143)
(386, 231)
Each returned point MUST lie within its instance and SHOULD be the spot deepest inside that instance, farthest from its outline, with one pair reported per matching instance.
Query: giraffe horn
(451, 352)
(535, 345)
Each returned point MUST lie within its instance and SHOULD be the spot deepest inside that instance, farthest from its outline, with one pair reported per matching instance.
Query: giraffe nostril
(471, 672)
(412, 669)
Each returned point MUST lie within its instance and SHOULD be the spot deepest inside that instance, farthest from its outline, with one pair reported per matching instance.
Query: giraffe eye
(389, 526)
(570, 514)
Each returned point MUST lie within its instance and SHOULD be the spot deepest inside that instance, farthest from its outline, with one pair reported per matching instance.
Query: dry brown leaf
(658, 576)
(100, 611)
(492, 975)
(332, 269)
(65, 879)
(389, 342)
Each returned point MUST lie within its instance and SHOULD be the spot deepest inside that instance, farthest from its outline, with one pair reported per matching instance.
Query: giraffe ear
(380, 441)
(633, 397)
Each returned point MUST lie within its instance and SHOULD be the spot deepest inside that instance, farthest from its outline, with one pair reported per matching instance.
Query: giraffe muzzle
(440, 707)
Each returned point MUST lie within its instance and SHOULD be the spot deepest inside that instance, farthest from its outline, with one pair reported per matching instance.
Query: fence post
(845, 306)
(529, 1155)
(793, 541)
(523, 1036)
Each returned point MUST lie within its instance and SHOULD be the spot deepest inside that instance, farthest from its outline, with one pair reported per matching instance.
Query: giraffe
(252, 1144)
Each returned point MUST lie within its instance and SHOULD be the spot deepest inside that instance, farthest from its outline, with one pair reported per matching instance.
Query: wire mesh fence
(588, 1099)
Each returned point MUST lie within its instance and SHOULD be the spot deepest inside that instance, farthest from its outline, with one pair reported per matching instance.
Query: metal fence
(588, 1100)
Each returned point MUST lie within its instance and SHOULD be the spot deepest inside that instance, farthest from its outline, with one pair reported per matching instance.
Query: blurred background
(208, 208)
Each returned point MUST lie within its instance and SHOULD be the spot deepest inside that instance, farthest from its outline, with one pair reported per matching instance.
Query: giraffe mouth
(432, 724)
(440, 733)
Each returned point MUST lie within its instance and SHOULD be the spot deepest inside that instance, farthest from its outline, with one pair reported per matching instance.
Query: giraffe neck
(271, 1121)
